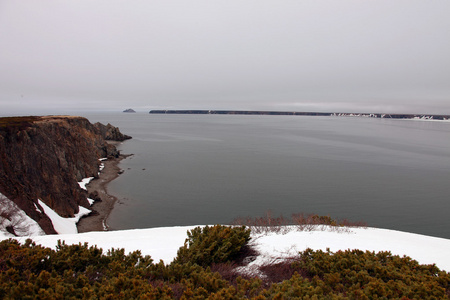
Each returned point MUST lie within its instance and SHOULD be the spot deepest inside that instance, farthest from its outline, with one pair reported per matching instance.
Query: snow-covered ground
(22, 224)
(163, 243)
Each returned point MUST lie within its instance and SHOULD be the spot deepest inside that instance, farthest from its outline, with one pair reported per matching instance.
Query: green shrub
(215, 244)
(31, 271)
(365, 274)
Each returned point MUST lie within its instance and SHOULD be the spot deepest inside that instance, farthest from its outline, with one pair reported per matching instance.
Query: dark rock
(95, 196)
(92, 213)
(129, 110)
(111, 133)
(11, 230)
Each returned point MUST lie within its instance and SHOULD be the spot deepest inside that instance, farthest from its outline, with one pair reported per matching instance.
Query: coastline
(104, 202)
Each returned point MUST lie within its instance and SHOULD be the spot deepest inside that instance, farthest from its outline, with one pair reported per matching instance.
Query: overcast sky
(304, 55)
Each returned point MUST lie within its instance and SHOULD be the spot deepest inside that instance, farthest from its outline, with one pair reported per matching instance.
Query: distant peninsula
(296, 113)
(129, 110)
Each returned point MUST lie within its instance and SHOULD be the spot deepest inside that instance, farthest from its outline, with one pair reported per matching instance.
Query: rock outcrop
(111, 133)
(45, 158)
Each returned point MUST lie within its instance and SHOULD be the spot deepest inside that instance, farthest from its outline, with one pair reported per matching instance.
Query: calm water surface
(208, 169)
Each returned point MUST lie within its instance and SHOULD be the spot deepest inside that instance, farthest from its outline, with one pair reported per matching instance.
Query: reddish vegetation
(300, 221)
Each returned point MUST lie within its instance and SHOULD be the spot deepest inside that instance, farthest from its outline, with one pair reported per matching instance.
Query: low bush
(356, 274)
(215, 244)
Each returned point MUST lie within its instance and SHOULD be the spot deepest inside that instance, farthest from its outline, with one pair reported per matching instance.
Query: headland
(299, 113)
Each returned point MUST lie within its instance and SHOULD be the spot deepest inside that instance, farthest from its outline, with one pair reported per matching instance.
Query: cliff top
(20, 123)
(17, 121)
(56, 118)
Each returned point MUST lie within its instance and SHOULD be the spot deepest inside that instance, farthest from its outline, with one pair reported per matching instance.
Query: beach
(96, 221)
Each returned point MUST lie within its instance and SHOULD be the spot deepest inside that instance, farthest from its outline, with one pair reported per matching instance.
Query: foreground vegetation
(206, 267)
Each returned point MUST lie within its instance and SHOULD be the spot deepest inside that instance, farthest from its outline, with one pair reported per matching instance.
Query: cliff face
(44, 158)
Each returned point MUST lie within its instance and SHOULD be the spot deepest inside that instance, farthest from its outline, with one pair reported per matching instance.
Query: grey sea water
(209, 169)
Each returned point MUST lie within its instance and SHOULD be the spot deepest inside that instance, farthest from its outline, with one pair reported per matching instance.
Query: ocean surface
(209, 169)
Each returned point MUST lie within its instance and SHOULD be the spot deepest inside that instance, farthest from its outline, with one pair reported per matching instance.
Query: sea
(211, 169)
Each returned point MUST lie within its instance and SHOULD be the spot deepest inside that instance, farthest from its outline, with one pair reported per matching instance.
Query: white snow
(424, 249)
(84, 182)
(37, 208)
(64, 225)
(102, 165)
(23, 224)
(163, 243)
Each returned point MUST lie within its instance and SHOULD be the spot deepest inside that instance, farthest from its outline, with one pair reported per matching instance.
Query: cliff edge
(45, 158)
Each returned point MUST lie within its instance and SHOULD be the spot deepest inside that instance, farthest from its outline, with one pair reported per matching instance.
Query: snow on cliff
(64, 225)
(12, 215)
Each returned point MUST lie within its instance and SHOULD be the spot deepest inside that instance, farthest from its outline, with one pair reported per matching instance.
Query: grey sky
(313, 55)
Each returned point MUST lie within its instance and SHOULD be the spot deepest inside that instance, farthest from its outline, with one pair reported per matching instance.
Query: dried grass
(298, 222)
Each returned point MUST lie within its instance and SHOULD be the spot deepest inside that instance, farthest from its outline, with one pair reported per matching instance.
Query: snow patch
(84, 182)
(424, 249)
(102, 165)
(105, 227)
(64, 225)
(37, 208)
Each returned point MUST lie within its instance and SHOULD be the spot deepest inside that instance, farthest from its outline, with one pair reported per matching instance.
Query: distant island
(296, 113)
(129, 110)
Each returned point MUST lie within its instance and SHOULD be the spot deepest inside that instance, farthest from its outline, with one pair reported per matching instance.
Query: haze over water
(209, 169)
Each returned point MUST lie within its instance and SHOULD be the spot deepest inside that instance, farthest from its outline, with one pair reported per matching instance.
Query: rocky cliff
(45, 158)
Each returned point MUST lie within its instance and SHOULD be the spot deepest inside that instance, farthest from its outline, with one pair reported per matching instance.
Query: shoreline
(104, 202)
